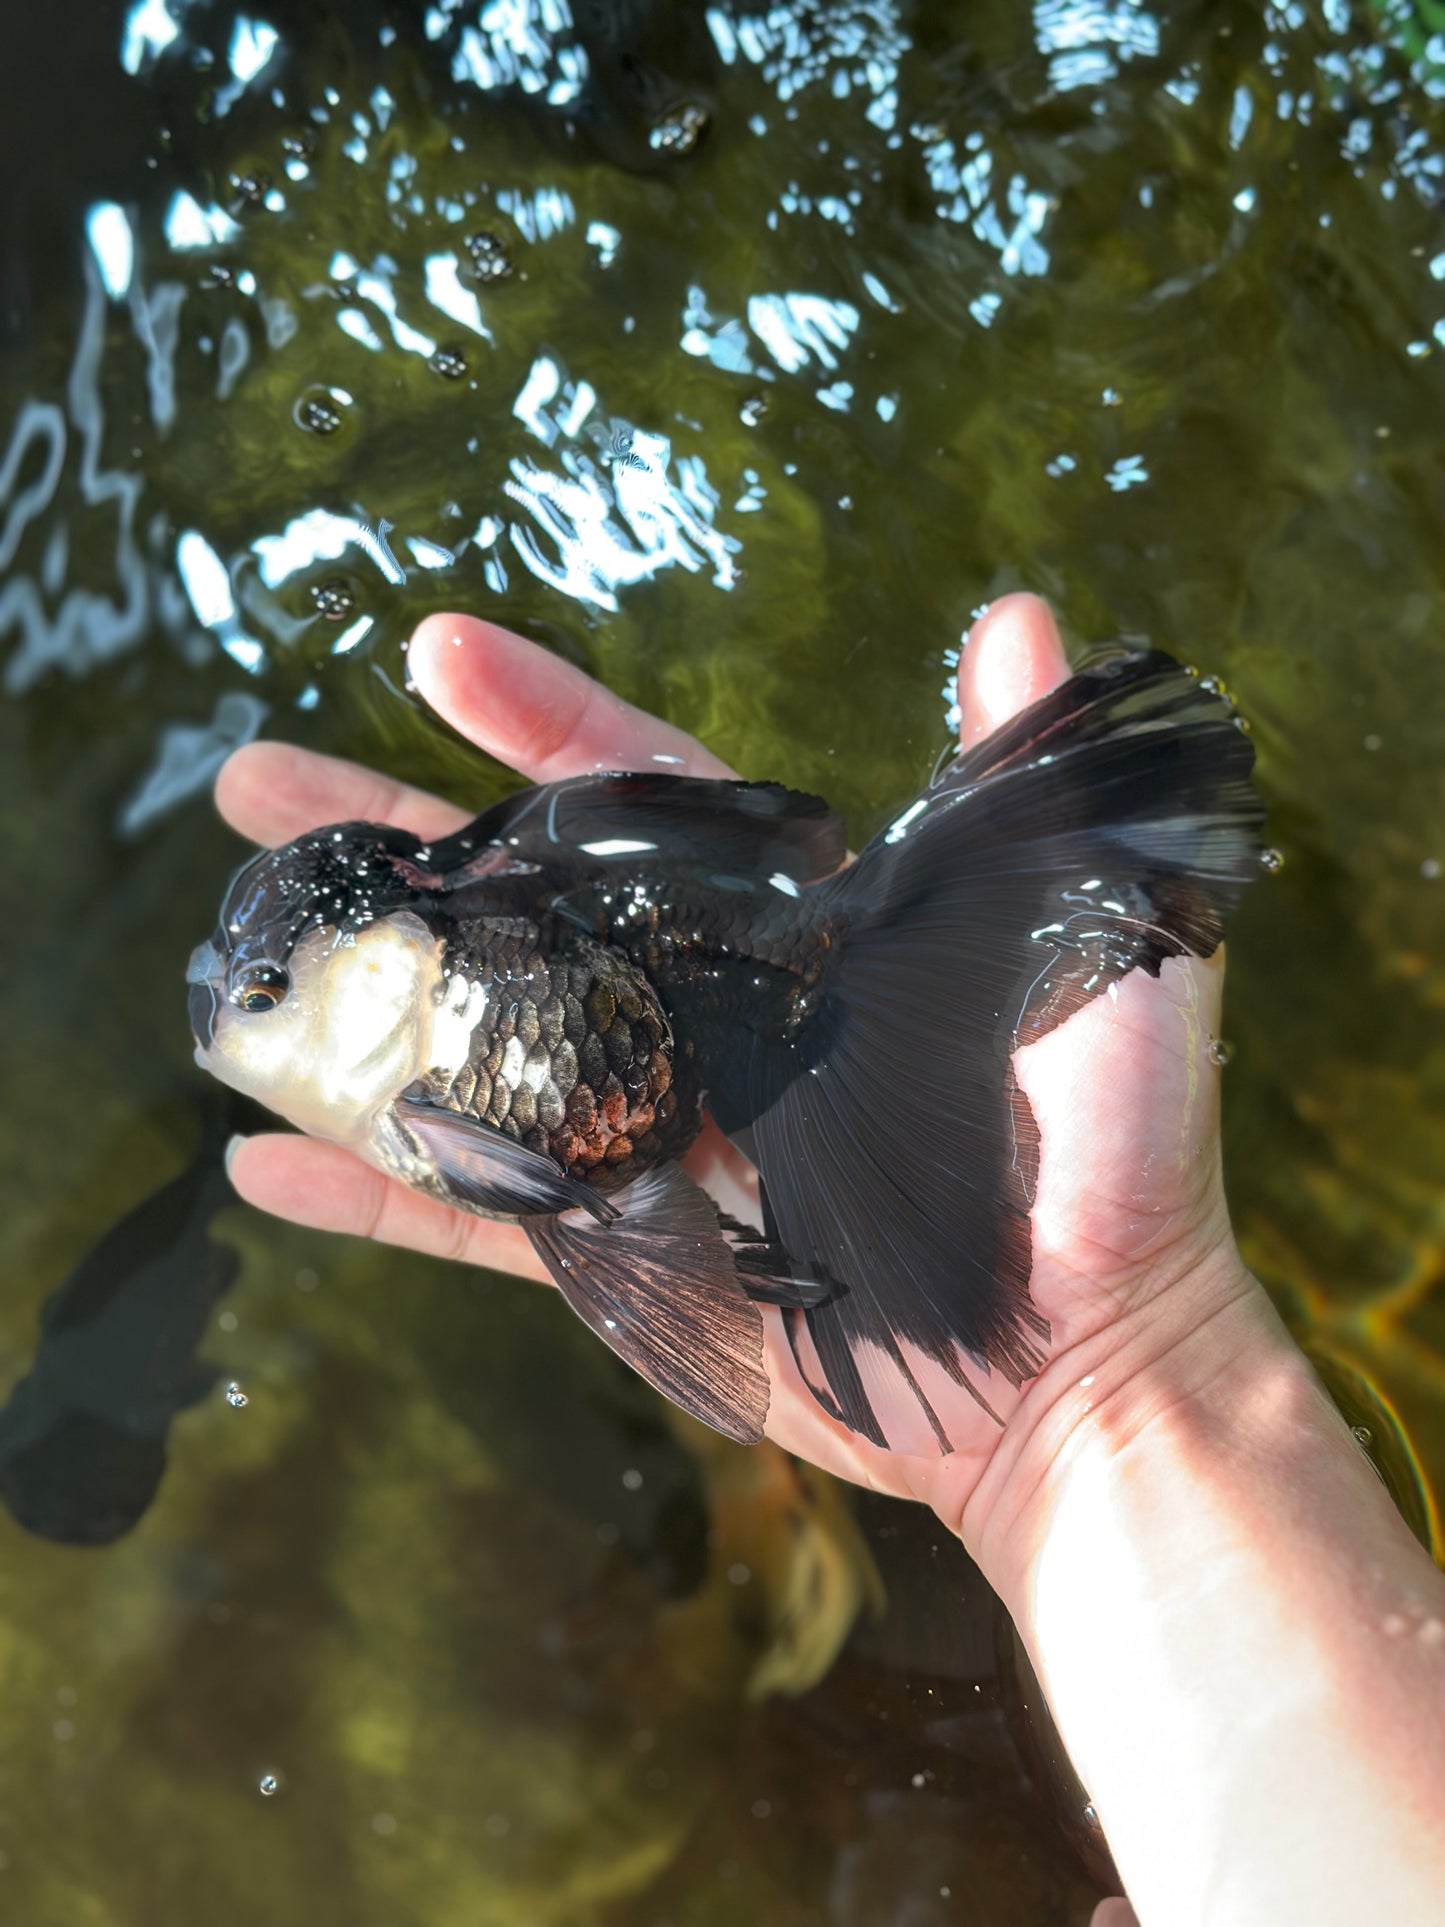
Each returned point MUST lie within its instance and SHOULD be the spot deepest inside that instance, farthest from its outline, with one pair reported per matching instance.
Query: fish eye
(260, 988)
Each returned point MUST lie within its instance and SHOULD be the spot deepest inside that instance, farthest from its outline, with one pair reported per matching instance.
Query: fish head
(315, 992)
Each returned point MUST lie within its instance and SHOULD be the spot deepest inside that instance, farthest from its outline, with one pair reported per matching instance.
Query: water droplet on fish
(753, 410)
(268, 1784)
(235, 1396)
(1220, 1052)
(1271, 860)
(335, 599)
(489, 257)
(320, 410)
(448, 363)
(680, 129)
(1365, 1436)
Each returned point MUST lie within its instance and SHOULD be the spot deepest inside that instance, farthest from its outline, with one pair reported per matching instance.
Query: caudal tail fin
(1109, 826)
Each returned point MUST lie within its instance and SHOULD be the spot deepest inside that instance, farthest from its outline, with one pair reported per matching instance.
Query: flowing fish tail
(1111, 825)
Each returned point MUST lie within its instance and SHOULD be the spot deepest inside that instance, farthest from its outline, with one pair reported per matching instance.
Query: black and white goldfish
(528, 1018)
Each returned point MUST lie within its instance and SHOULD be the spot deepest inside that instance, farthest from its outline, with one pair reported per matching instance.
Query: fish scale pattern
(572, 1055)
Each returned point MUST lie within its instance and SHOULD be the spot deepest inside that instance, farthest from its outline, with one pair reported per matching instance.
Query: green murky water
(738, 355)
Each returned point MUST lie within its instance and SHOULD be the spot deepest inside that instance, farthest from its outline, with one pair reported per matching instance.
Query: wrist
(1241, 1642)
(1170, 1362)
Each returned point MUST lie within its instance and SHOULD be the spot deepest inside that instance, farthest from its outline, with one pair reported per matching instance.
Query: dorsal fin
(712, 827)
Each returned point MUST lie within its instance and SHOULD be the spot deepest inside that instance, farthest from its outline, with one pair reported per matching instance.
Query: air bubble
(235, 1397)
(489, 257)
(299, 146)
(320, 410)
(1363, 1435)
(268, 1784)
(448, 363)
(335, 599)
(753, 410)
(1220, 1052)
(1091, 1816)
(218, 275)
(1272, 861)
(251, 189)
(679, 130)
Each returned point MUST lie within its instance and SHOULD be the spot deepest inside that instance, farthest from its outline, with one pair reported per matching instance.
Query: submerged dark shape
(83, 1434)
(528, 1019)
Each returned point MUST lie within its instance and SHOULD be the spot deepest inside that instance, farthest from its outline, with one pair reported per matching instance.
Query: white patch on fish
(349, 1036)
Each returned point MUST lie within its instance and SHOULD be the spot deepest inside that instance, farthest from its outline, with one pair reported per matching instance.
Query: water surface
(738, 355)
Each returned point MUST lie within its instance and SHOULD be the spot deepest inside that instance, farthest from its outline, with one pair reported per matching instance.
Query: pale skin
(1242, 1644)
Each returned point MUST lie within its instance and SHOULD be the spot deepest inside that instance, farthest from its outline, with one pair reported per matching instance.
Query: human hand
(1132, 1255)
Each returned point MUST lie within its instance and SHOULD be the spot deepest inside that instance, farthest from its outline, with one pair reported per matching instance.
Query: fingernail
(232, 1147)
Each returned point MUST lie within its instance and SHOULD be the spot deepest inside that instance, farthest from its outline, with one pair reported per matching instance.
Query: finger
(1114, 1913)
(541, 715)
(321, 1185)
(271, 792)
(1013, 657)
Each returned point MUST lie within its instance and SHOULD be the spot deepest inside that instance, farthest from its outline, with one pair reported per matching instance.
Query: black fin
(488, 1171)
(725, 828)
(661, 1288)
(1112, 824)
(767, 1272)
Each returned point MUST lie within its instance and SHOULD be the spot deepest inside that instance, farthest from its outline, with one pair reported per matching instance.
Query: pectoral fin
(485, 1170)
(660, 1286)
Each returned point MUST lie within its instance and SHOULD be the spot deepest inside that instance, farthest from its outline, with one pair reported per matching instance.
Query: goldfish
(83, 1434)
(529, 1019)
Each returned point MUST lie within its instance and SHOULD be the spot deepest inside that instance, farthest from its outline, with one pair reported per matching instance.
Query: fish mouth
(202, 1003)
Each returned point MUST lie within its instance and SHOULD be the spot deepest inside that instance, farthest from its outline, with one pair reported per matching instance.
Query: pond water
(738, 354)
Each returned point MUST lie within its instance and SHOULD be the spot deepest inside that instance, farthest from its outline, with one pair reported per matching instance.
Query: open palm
(1129, 1204)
